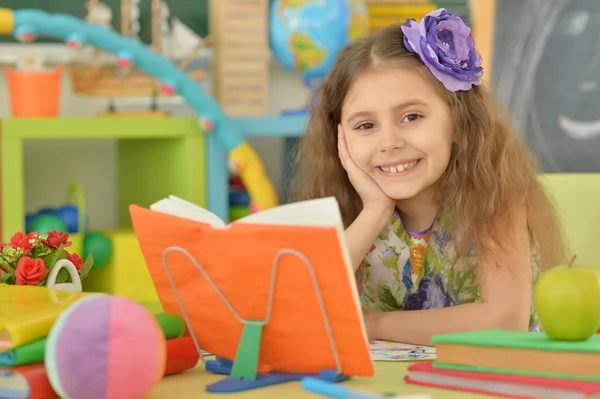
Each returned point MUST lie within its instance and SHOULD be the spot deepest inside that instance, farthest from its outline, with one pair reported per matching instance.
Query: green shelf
(156, 157)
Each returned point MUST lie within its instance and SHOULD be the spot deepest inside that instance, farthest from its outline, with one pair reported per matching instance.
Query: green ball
(99, 246)
(48, 222)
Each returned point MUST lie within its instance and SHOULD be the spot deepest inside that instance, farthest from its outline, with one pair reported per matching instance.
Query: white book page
(181, 208)
(316, 212)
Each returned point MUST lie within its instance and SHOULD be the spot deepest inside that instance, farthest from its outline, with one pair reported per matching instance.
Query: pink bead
(27, 37)
(124, 63)
(206, 125)
(253, 207)
(167, 89)
(74, 44)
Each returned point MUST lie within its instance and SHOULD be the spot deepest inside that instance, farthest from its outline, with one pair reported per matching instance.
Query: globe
(306, 35)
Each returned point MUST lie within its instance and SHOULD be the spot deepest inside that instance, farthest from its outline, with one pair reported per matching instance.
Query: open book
(294, 253)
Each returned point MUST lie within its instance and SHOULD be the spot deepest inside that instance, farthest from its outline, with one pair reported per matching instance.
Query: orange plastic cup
(34, 94)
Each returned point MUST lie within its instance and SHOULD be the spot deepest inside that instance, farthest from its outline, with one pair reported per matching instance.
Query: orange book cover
(243, 260)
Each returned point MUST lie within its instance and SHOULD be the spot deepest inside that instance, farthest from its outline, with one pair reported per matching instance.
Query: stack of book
(27, 315)
(512, 364)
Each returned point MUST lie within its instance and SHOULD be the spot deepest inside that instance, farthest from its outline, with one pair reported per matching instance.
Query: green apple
(567, 301)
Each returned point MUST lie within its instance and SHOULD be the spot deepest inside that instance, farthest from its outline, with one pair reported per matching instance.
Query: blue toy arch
(27, 24)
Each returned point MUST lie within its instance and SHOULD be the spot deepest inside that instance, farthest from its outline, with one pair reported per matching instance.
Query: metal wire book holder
(243, 372)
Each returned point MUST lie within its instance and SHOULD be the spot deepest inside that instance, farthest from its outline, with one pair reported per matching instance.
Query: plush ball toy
(105, 347)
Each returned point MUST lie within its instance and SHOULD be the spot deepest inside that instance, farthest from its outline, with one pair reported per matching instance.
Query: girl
(446, 223)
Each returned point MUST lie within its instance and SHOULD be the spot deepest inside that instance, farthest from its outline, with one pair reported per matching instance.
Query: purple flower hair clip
(444, 43)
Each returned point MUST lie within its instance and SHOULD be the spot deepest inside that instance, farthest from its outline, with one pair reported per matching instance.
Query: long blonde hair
(489, 171)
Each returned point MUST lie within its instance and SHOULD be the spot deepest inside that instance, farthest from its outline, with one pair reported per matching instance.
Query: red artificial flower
(30, 271)
(20, 240)
(56, 239)
(75, 259)
(2, 245)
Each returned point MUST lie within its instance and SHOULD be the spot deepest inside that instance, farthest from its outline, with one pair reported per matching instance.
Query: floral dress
(407, 270)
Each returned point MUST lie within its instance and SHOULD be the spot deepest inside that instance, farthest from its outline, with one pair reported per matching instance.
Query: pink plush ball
(105, 347)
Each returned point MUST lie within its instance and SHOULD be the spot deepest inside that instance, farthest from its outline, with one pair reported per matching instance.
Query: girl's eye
(411, 118)
(365, 126)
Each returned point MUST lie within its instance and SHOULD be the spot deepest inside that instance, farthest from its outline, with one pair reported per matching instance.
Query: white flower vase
(73, 286)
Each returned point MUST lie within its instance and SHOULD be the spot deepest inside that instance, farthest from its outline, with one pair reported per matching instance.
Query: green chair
(577, 200)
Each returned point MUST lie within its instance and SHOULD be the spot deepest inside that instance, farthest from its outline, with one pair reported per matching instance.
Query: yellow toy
(246, 163)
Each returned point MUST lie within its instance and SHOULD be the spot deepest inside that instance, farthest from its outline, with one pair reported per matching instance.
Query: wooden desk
(389, 377)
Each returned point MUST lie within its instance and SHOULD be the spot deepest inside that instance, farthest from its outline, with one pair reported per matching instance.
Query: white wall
(52, 165)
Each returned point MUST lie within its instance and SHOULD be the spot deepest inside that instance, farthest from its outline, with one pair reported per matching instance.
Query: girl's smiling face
(398, 129)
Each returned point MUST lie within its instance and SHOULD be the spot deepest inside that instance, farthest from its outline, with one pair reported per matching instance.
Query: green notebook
(517, 340)
(31, 352)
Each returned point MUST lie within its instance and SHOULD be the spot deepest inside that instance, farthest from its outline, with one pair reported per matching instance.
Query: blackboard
(193, 13)
(546, 72)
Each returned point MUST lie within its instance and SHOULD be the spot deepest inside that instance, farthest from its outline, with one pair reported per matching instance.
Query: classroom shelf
(156, 157)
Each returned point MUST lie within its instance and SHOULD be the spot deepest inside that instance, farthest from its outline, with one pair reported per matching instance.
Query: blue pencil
(331, 390)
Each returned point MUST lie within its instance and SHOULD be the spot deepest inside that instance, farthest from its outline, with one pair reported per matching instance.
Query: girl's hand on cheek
(369, 191)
